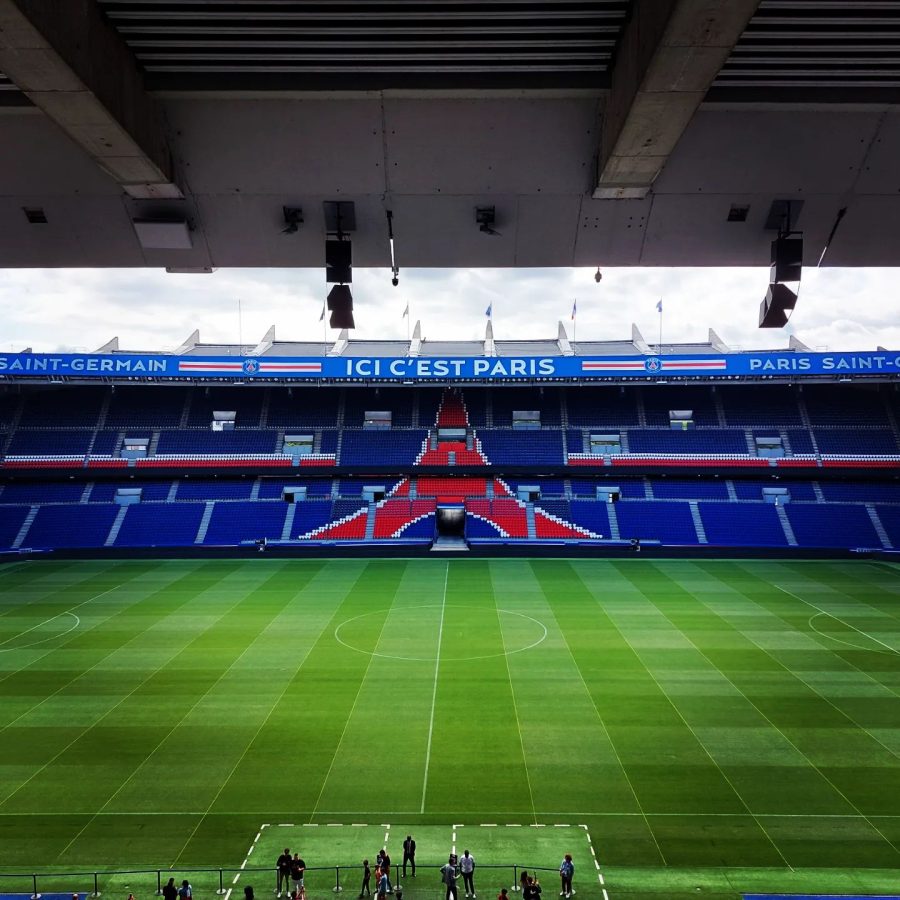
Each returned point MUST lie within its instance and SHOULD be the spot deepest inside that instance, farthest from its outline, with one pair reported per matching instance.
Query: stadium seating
(72, 525)
(160, 525)
(363, 448)
(831, 525)
(11, 520)
(522, 448)
(232, 523)
(80, 438)
(214, 490)
(676, 489)
(48, 442)
(42, 492)
(666, 521)
(601, 407)
(753, 524)
(146, 407)
(63, 408)
(302, 408)
(216, 442)
(246, 403)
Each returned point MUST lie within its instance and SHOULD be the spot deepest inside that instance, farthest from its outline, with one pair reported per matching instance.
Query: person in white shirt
(467, 867)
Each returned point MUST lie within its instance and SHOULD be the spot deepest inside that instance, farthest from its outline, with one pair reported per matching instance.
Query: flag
(322, 316)
(405, 312)
(489, 312)
(659, 306)
(574, 309)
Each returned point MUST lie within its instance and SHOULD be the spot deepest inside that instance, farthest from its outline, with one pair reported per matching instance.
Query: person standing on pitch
(409, 855)
(367, 876)
(383, 885)
(449, 876)
(566, 871)
(169, 891)
(284, 871)
(386, 868)
(467, 867)
(298, 870)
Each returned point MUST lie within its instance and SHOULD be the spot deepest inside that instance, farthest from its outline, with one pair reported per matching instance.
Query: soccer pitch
(695, 727)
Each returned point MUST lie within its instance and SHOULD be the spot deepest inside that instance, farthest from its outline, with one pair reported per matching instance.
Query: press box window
(681, 419)
(223, 420)
(526, 419)
(606, 444)
(377, 418)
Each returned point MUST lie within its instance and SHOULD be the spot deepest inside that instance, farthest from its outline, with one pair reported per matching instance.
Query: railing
(144, 883)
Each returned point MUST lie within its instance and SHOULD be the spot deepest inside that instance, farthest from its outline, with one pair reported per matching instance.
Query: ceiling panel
(814, 47)
(361, 44)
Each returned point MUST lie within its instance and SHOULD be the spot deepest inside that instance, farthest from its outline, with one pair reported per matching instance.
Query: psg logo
(251, 366)
(653, 364)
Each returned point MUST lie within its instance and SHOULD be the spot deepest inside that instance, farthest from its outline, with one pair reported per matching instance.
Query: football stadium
(640, 608)
(337, 613)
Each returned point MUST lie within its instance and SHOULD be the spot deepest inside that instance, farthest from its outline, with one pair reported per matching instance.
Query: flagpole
(240, 330)
(660, 307)
(324, 330)
(574, 319)
(408, 317)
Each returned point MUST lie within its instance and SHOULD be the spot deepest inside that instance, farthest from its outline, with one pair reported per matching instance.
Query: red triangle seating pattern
(397, 511)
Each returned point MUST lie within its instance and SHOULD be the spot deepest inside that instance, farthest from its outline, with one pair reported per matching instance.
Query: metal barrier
(318, 880)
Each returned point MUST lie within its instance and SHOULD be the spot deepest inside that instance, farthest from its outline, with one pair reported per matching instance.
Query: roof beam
(669, 55)
(74, 66)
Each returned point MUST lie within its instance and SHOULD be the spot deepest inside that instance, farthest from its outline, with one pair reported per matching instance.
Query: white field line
(893, 650)
(437, 665)
(587, 834)
(237, 877)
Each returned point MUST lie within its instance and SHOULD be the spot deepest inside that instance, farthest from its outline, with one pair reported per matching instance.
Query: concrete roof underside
(602, 132)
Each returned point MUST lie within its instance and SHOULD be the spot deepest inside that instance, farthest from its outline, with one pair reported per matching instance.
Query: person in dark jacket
(409, 855)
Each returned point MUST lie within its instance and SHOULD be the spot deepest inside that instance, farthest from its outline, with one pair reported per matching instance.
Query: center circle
(417, 624)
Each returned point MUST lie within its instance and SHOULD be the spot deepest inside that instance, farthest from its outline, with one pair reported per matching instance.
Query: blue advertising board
(400, 369)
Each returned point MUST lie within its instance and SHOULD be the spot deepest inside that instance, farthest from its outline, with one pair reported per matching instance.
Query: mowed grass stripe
(879, 588)
(568, 750)
(772, 773)
(476, 755)
(860, 839)
(302, 730)
(49, 688)
(191, 779)
(827, 737)
(690, 780)
(379, 766)
(122, 735)
(588, 638)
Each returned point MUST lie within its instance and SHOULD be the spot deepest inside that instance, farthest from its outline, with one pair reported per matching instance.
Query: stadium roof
(345, 346)
(173, 133)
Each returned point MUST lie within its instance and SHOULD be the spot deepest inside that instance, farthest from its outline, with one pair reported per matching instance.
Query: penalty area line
(252, 847)
(600, 878)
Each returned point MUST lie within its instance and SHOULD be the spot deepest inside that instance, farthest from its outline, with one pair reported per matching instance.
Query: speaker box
(340, 302)
(776, 309)
(787, 260)
(338, 262)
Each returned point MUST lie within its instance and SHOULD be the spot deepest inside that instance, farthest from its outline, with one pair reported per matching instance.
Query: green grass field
(701, 726)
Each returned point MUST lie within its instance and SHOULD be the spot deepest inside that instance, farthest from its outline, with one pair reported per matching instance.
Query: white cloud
(151, 310)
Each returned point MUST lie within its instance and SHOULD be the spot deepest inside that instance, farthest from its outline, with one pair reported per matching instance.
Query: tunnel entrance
(451, 527)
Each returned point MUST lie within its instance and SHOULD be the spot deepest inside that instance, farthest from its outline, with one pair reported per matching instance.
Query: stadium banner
(414, 368)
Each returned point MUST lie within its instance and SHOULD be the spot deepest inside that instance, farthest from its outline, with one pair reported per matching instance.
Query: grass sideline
(715, 725)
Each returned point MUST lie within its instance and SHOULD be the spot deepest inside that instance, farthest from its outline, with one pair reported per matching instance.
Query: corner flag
(489, 312)
(659, 306)
(322, 316)
(574, 309)
(405, 312)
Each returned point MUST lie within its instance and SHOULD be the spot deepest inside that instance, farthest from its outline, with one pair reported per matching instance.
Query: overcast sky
(81, 309)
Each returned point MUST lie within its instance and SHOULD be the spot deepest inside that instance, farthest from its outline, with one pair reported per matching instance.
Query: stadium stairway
(491, 500)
